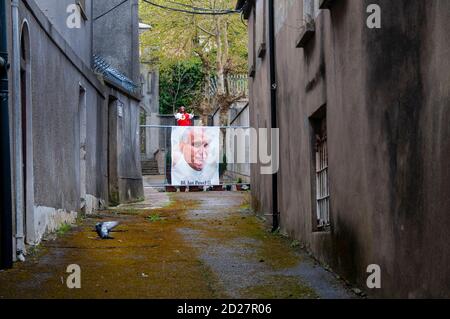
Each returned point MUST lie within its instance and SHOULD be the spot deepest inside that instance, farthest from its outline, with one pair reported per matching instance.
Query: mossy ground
(150, 257)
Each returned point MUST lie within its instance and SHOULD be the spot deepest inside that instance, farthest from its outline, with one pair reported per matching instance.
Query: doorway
(113, 176)
(83, 149)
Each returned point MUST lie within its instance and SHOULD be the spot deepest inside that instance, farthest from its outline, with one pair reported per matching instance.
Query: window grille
(322, 178)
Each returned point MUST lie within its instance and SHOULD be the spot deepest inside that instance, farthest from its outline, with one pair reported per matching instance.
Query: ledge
(307, 32)
(252, 71)
(262, 50)
(326, 4)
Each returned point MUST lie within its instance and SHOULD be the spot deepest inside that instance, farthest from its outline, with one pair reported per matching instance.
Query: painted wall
(387, 93)
(54, 139)
(67, 124)
(259, 97)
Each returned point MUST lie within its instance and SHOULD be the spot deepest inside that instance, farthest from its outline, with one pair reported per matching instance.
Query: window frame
(320, 173)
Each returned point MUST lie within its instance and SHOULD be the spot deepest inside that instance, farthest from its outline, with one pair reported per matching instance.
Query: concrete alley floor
(179, 245)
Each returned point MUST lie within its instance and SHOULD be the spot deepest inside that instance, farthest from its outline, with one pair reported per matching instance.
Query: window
(82, 5)
(321, 177)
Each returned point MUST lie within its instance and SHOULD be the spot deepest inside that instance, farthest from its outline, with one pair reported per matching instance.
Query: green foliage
(179, 36)
(154, 218)
(64, 229)
(181, 83)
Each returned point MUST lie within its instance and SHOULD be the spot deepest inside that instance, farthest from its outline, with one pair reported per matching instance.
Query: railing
(237, 85)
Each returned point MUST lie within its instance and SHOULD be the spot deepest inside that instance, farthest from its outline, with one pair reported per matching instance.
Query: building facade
(363, 113)
(75, 129)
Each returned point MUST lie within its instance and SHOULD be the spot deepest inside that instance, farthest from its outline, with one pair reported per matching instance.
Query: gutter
(273, 107)
(6, 244)
(17, 131)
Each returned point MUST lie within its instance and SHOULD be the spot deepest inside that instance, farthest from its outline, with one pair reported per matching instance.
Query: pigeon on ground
(103, 229)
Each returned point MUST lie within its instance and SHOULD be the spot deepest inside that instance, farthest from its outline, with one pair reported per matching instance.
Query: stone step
(150, 168)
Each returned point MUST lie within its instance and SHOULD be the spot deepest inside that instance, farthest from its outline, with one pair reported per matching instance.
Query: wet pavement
(178, 245)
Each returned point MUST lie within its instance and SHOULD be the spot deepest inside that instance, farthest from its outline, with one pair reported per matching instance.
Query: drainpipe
(273, 107)
(6, 244)
(17, 119)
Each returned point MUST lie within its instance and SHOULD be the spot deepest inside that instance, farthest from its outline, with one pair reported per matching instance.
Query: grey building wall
(116, 36)
(150, 105)
(386, 92)
(259, 98)
(116, 39)
(80, 39)
(54, 183)
(66, 121)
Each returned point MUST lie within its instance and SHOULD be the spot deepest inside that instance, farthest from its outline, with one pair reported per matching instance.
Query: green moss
(153, 259)
(154, 218)
(63, 229)
(280, 287)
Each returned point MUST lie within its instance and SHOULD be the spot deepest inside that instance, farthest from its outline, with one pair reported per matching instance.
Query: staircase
(150, 167)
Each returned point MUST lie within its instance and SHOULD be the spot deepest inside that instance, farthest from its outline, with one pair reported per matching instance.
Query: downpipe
(17, 138)
(6, 243)
(273, 107)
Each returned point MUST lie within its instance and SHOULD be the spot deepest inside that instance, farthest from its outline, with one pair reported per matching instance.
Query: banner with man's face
(195, 156)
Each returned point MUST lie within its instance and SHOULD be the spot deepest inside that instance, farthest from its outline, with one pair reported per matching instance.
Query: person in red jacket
(183, 118)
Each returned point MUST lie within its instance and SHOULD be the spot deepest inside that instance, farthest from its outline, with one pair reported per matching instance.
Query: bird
(103, 229)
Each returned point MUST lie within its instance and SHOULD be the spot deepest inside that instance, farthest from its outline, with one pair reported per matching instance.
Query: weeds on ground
(154, 218)
(64, 229)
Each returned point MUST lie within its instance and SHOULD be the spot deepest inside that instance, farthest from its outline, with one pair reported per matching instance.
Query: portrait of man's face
(195, 147)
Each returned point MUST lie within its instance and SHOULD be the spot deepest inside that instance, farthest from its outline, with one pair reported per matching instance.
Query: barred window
(322, 186)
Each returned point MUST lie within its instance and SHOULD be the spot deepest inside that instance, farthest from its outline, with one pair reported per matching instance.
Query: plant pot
(195, 189)
(171, 189)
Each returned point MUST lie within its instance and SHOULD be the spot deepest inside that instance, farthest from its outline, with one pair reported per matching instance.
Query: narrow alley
(178, 245)
(225, 150)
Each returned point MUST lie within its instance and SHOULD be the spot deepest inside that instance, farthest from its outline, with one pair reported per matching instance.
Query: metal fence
(237, 85)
